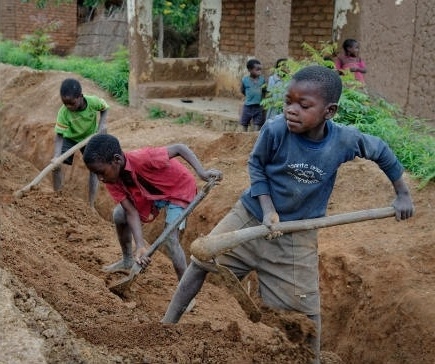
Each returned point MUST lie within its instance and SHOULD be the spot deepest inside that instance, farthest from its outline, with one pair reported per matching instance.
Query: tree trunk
(161, 37)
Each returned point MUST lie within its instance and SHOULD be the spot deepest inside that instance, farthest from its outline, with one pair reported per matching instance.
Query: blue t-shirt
(299, 174)
(253, 89)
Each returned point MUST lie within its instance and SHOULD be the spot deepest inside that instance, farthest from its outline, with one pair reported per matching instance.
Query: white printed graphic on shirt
(305, 173)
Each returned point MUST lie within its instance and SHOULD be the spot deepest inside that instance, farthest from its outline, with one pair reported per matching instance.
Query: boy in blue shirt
(292, 168)
(253, 87)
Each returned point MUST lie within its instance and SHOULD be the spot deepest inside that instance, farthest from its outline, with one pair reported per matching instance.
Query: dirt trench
(377, 278)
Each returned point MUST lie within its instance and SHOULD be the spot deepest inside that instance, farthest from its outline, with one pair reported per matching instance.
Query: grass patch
(111, 76)
(190, 117)
(156, 112)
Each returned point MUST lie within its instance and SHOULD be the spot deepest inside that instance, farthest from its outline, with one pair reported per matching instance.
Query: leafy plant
(156, 112)
(181, 15)
(189, 117)
(39, 42)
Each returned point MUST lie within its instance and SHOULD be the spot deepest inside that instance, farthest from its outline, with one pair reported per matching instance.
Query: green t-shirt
(78, 125)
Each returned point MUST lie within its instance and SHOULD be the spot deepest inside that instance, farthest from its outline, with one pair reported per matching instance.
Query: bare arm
(133, 221)
(403, 203)
(270, 216)
(186, 153)
(102, 126)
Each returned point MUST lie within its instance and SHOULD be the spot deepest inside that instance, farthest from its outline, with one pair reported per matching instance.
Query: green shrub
(156, 112)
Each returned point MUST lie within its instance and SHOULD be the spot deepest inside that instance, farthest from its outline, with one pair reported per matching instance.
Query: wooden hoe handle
(56, 162)
(210, 246)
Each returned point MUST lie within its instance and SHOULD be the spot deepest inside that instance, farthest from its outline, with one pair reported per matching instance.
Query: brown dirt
(377, 278)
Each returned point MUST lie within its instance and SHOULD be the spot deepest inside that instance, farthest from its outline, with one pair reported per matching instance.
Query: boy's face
(107, 172)
(256, 71)
(74, 103)
(305, 109)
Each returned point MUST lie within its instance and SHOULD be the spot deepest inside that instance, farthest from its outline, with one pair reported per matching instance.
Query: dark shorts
(252, 112)
(66, 145)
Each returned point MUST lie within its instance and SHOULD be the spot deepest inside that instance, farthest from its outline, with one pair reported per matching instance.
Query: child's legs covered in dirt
(176, 253)
(93, 187)
(57, 172)
(288, 275)
(57, 178)
(124, 237)
(287, 269)
(172, 244)
(194, 276)
(188, 287)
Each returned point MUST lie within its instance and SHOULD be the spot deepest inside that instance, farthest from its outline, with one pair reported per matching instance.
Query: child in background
(142, 182)
(275, 81)
(351, 60)
(292, 168)
(253, 88)
(76, 120)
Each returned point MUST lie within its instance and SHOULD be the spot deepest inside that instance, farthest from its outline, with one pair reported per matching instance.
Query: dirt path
(377, 278)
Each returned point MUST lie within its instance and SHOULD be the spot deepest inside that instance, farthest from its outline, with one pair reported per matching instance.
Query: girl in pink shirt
(350, 60)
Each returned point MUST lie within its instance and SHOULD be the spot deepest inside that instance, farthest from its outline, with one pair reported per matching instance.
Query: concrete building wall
(398, 44)
(18, 19)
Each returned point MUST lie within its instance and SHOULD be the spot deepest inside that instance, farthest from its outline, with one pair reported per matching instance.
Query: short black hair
(101, 148)
(328, 80)
(70, 87)
(252, 63)
(279, 61)
(348, 43)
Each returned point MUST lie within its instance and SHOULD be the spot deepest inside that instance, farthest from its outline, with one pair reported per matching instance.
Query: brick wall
(237, 27)
(18, 19)
(311, 22)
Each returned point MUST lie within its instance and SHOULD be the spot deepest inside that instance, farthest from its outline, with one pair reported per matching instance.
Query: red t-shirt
(154, 176)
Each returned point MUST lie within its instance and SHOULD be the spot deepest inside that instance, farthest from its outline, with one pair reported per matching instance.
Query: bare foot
(122, 265)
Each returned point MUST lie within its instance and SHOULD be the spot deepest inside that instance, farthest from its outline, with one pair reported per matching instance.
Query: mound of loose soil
(377, 278)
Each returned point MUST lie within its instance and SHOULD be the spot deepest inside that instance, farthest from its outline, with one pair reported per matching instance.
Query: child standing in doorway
(76, 120)
(350, 60)
(253, 87)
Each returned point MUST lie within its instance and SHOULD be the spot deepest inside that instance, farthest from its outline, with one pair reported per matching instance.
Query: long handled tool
(211, 246)
(119, 287)
(54, 163)
(208, 247)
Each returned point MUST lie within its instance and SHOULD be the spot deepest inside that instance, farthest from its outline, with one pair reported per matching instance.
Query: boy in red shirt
(142, 182)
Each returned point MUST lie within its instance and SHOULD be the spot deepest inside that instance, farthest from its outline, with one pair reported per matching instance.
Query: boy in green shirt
(76, 120)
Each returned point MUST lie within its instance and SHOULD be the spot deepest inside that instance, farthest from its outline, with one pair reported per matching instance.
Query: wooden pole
(54, 163)
(210, 246)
